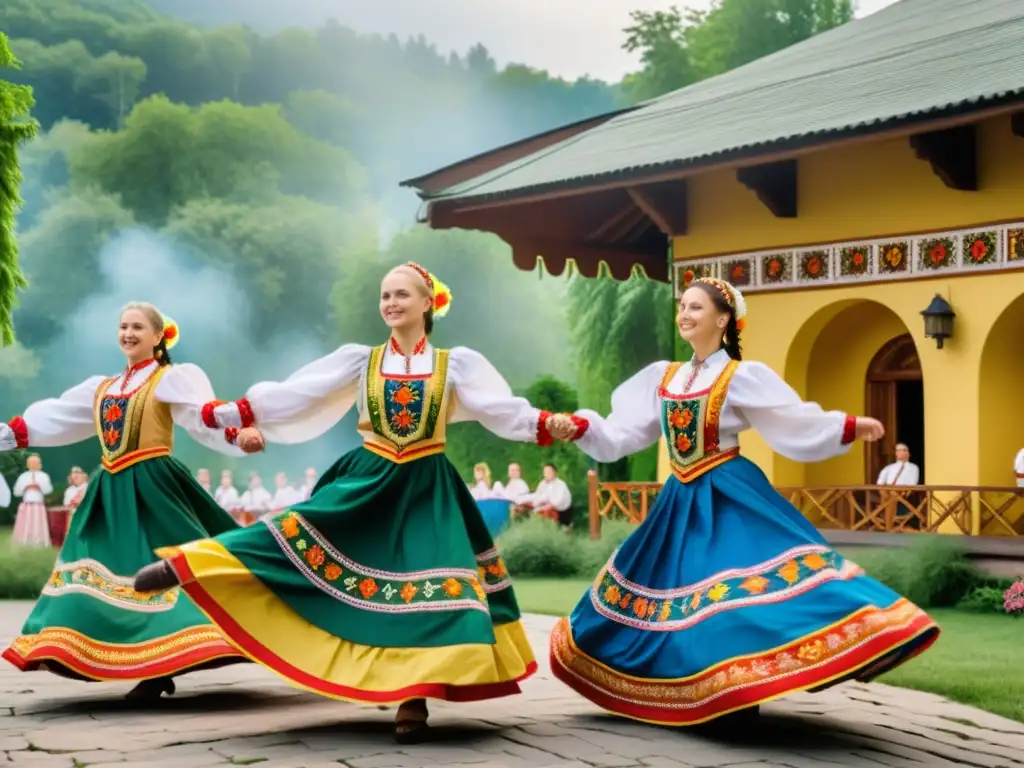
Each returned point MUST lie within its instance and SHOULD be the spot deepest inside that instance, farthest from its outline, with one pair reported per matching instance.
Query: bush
(23, 572)
(538, 547)
(983, 600)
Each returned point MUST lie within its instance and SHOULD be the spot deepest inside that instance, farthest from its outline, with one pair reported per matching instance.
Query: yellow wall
(823, 340)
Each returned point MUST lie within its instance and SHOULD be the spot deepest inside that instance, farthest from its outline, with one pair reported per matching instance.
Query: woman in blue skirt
(725, 596)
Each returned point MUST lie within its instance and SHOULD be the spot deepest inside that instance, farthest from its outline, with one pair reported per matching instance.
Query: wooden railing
(970, 510)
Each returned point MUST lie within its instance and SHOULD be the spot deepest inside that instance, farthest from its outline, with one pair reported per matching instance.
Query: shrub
(23, 572)
(983, 600)
(594, 554)
(538, 547)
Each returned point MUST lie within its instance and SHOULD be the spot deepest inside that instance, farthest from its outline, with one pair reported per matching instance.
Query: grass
(976, 660)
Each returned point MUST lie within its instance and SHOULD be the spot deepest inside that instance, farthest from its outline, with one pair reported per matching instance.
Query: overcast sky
(569, 38)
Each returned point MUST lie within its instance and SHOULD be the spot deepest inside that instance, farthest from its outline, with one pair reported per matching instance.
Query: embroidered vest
(690, 424)
(133, 426)
(405, 416)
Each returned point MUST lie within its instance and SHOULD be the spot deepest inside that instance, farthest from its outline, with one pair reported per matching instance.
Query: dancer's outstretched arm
(55, 421)
(301, 407)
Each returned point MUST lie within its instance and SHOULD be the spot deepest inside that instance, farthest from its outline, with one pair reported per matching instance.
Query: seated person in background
(516, 488)
(256, 501)
(552, 499)
(1018, 468)
(227, 497)
(203, 478)
(902, 471)
(306, 489)
(285, 496)
(482, 487)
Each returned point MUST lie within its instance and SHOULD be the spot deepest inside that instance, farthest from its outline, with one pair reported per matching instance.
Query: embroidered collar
(419, 349)
(131, 370)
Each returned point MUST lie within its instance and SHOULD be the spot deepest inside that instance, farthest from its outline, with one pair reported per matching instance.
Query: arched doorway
(895, 396)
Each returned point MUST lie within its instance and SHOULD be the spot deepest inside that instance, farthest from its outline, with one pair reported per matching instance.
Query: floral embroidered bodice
(132, 425)
(690, 424)
(405, 414)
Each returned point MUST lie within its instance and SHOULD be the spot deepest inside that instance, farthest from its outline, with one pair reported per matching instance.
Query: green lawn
(976, 660)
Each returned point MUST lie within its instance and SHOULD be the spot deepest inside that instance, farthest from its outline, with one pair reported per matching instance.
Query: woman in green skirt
(90, 623)
(385, 586)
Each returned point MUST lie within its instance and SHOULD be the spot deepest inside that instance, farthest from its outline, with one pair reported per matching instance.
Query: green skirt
(89, 622)
(384, 586)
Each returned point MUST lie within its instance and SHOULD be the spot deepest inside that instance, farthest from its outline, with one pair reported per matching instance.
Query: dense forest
(243, 175)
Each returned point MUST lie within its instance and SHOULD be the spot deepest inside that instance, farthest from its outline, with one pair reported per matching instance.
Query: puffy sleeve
(186, 389)
(483, 395)
(796, 429)
(303, 406)
(634, 423)
(54, 422)
(5, 492)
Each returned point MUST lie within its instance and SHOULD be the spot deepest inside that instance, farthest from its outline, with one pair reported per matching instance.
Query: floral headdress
(171, 332)
(440, 293)
(729, 292)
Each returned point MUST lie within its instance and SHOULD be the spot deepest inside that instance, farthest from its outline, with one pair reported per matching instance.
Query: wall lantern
(938, 320)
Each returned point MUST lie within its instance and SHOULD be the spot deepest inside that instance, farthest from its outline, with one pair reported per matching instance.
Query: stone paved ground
(244, 716)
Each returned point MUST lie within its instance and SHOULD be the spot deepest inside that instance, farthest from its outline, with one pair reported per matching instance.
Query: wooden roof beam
(665, 204)
(555, 256)
(775, 185)
(952, 154)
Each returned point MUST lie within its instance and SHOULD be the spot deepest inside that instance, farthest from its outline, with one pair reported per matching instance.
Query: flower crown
(440, 293)
(171, 332)
(729, 292)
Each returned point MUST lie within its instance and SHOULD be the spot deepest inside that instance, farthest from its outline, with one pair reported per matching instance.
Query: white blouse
(69, 419)
(757, 398)
(33, 487)
(318, 395)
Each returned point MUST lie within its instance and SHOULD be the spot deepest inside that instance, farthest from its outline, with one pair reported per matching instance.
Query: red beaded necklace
(131, 370)
(419, 349)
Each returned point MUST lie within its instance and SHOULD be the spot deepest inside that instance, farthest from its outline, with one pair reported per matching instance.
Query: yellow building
(842, 184)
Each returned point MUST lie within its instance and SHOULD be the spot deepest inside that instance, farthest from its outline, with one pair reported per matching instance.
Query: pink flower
(1013, 598)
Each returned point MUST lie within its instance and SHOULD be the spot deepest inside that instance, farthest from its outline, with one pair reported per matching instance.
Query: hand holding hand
(869, 430)
(561, 427)
(228, 415)
(250, 440)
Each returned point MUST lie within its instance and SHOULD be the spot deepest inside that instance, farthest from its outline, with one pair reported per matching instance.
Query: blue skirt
(723, 598)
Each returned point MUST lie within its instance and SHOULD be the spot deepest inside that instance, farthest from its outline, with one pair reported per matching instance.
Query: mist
(210, 309)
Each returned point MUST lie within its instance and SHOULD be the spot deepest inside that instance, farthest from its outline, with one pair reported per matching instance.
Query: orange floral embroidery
(402, 420)
(640, 606)
(666, 610)
(611, 595)
(112, 412)
(367, 588)
(332, 572)
(755, 585)
(790, 572)
(111, 436)
(408, 592)
(683, 443)
(815, 562)
(681, 418)
(403, 396)
(452, 587)
(624, 602)
(290, 527)
(479, 590)
(315, 556)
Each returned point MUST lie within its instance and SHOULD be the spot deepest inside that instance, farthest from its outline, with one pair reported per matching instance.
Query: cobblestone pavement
(244, 715)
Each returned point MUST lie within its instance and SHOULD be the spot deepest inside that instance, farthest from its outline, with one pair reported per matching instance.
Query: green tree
(15, 127)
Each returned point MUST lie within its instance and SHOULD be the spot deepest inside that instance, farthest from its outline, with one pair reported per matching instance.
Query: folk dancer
(385, 587)
(89, 623)
(32, 524)
(725, 596)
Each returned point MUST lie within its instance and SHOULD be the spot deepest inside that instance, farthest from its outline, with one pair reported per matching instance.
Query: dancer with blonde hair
(90, 623)
(385, 586)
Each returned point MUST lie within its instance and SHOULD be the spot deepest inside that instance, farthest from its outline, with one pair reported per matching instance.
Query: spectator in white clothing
(482, 487)
(552, 499)
(902, 471)
(227, 496)
(256, 501)
(516, 488)
(1018, 469)
(203, 478)
(306, 489)
(285, 496)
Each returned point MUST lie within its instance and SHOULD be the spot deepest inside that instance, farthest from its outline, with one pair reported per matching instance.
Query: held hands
(561, 427)
(869, 430)
(250, 440)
